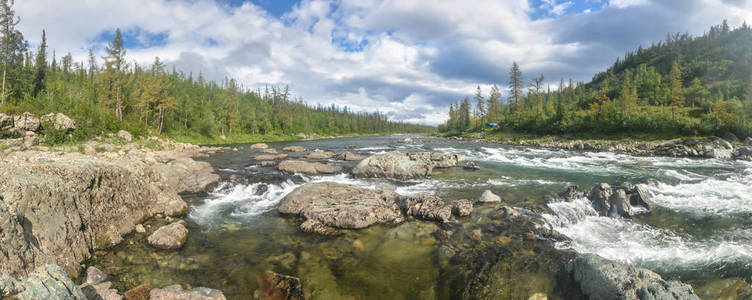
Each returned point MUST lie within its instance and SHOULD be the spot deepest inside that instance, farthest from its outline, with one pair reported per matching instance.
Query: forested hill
(110, 93)
(682, 86)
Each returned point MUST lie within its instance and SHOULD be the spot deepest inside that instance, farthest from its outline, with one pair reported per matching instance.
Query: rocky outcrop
(349, 156)
(294, 149)
(6, 121)
(185, 175)
(259, 146)
(342, 206)
(273, 286)
(173, 292)
(309, 168)
(599, 278)
(428, 207)
(401, 165)
(170, 236)
(45, 282)
(743, 153)
(318, 154)
(271, 157)
(711, 147)
(619, 201)
(59, 121)
(489, 197)
(124, 135)
(27, 122)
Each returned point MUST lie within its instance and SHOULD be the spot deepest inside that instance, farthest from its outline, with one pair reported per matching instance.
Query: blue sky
(407, 58)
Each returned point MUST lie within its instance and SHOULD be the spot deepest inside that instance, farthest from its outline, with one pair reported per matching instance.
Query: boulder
(342, 206)
(95, 276)
(349, 156)
(471, 165)
(140, 292)
(641, 196)
(271, 157)
(599, 278)
(619, 201)
(401, 165)
(100, 291)
(27, 122)
(489, 196)
(259, 146)
(269, 163)
(174, 292)
(462, 207)
(185, 175)
(599, 196)
(748, 141)
(273, 286)
(572, 193)
(318, 154)
(45, 282)
(126, 136)
(309, 168)
(428, 207)
(269, 151)
(6, 121)
(170, 236)
(59, 121)
(743, 153)
(294, 149)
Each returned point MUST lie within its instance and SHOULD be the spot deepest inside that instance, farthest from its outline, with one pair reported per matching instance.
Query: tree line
(682, 86)
(110, 93)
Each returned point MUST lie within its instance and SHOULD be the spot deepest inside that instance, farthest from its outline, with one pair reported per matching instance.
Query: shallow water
(701, 231)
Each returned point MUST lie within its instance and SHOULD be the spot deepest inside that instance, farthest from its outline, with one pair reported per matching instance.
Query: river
(700, 232)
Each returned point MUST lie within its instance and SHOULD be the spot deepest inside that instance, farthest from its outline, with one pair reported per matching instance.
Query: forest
(683, 86)
(110, 93)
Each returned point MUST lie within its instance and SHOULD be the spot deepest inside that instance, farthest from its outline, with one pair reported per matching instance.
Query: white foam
(241, 200)
(712, 196)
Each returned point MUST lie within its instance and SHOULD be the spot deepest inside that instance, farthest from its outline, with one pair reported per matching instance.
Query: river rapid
(700, 232)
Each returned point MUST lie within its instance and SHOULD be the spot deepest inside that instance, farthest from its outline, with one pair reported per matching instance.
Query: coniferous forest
(106, 94)
(684, 85)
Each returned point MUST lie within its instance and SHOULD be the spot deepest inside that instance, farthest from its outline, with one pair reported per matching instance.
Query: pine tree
(515, 83)
(40, 76)
(675, 90)
(480, 109)
(8, 21)
(494, 104)
(114, 65)
(465, 114)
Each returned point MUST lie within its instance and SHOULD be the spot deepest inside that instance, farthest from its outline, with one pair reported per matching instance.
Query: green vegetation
(120, 95)
(683, 86)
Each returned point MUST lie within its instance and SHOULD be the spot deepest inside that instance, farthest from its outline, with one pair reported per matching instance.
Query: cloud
(404, 58)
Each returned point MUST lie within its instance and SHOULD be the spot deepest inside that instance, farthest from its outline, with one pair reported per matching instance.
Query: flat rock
(309, 168)
(95, 276)
(342, 206)
(185, 175)
(294, 149)
(428, 207)
(271, 157)
(259, 146)
(269, 163)
(320, 155)
(59, 121)
(401, 165)
(170, 236)
(269, 151)
(349, 156)
(488, 197)
(176, 292)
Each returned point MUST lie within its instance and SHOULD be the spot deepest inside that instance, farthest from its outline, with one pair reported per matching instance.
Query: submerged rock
(427, 207)
(269, 151)
(489, 196)
(462, 207)
(273, 286)
(170, 236)
(294, 149)
(271, 157)
(318, 154)
(173, 292)
(259, 146)
(310, 168)
(342, 206)
(140, 292)
(471, 165)
(401, 165)
(599, 278)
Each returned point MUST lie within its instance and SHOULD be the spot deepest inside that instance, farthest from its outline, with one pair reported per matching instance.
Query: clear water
(700, 233)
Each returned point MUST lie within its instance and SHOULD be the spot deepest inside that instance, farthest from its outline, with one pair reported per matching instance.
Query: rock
(310, 168)
(140, 228)
(140, 292)
(269, 163)
(748, 142)
(271, 157)
(59, 121)
(641, 196)
(95, 276)
(620, 205)
(489, 196)
(45, 282)
(259, 146)
(599, 196)
(100, 291)
(269, 151)
(170, 236)
(462, 207)
(294, 149)
(599, 278)
(318, 154)
(743, 153)
(728, 136)
(342, 206)
(301, 135)
(27, 122)
(124, 135)
(471, 165)
(273, 286)
(400, 165)
(6, 121)
(185, 175)
(425, 206)
(313, 226)
(349, 156)
(175, 292)
(572, 193)
(538, 296)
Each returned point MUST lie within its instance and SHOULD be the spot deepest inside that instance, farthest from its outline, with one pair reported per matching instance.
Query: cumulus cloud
(408, 59)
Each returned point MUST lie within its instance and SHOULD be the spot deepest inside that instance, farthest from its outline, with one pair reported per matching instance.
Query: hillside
(682, 86)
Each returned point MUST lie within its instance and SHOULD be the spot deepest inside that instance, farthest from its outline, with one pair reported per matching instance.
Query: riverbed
(700, 232)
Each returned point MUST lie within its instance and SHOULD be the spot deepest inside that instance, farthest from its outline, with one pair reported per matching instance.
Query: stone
(100, 291)
(185, 175)
(318, 154)
(140, 228)
(748, 141)
(45, 282)
(309, 168)
(599, 278)
(342, 206)
(95, 276)
(176, 292)
(428, 207)
(271, 157)
(538, 296)
(349, 156)
(27, 122)
(274, 286)
(488, 197)
(599, 196)
(620, 205)
(572, 193)
(259, 146)
(401, 165)
(743, 153)
(294, 149)
(124, 135)
(59, 121)
(6, 121)
(269, 151)
(471, 165)
(170, 236)
(269, 163)
(462, 207)
(641, 196)
(140, 292)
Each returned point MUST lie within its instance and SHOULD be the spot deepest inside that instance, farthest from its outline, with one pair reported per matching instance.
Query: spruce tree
(8, 21)
(40, 75)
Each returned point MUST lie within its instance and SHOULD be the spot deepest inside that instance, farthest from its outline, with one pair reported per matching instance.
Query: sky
(409, 59)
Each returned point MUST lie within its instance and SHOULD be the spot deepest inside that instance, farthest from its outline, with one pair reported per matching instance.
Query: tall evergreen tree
(675, 90)
(480, 109)
(40, 75)
(114, 65)
(515, 83)
(8, 21)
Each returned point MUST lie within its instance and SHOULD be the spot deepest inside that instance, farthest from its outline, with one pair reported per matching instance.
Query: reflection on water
(700, 232)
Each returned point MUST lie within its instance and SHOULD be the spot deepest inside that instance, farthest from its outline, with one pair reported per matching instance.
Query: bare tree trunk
(161, 120)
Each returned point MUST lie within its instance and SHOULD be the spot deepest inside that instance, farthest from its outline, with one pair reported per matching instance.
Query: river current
(700, 232)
